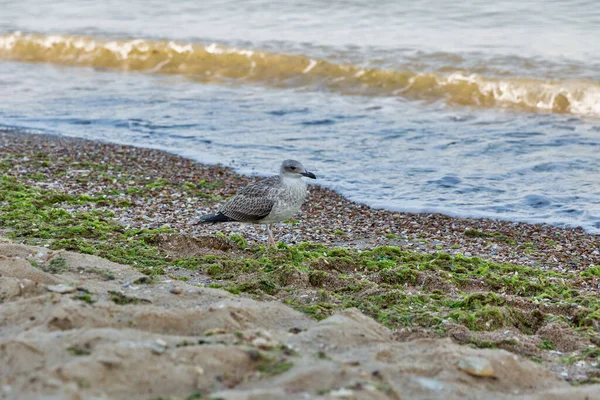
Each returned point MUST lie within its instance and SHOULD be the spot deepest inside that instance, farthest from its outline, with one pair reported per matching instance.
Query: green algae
(590, 354)
(317, 278)
(122, 299)
(546, 344)
(79, 351)
(397, 287)
(274, 368)
(591, 271)
(55, 266)
(40, 217)
(382, 282)
(86, 298)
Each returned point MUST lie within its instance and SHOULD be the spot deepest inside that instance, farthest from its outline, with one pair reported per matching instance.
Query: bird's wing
(253, 202)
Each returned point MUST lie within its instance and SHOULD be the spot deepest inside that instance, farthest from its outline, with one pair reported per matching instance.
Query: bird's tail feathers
(214, 218)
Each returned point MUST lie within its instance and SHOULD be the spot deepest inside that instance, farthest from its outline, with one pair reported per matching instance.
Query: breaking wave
(216, 63)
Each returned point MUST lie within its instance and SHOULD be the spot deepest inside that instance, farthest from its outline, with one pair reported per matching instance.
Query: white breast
(288, 201)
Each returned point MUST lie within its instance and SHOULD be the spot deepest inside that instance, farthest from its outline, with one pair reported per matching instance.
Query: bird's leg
(271, 240)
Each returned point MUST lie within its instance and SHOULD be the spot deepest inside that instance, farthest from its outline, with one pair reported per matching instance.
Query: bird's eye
(292, 168)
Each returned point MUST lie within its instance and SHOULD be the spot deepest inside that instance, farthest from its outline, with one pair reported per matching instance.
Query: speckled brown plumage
(253, 202)
(269, 201)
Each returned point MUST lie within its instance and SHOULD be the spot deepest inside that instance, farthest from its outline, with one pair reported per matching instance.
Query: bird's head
(294, 169)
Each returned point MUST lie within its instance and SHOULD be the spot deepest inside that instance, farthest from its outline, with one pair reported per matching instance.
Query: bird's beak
(309, 174)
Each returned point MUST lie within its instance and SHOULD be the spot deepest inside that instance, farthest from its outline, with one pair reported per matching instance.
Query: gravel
(152, 185)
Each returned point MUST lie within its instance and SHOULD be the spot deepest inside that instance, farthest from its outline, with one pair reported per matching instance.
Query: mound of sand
(74, 326)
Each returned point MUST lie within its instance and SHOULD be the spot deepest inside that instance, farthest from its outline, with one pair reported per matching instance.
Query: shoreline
(531, 290)
(327, 217)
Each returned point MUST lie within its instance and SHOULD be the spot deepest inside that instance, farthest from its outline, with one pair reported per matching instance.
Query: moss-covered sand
(550, 315)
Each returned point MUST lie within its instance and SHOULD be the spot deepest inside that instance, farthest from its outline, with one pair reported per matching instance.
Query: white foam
(584, 99)
(8, 42)
(181, 49)
(116, 48)
(85, 45)
(247, 53)
(50, 41)
(310, 66)
(586, 102)
(124, 49)
(213, 48)
(140, 45)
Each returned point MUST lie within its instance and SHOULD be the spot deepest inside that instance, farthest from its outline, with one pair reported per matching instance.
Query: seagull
(268, 201)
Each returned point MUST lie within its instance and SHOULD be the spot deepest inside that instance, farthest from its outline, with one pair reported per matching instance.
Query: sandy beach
(108, 289)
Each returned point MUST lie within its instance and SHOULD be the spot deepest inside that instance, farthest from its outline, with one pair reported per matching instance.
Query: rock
(476, 366)
(216, 331)
(430, 384)
(159, 346)
(342, 393)
(61, 288)
(261, 343)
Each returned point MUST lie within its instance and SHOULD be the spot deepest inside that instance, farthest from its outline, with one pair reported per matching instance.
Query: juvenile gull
(269, 201)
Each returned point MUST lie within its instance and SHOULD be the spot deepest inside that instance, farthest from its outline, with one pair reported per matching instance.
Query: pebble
(342, 393)
(476, 366)
(325, 213)
(159, 346)
(262, 343)
(175, 290)
(430, 384)
(61, 288)
(215, 331)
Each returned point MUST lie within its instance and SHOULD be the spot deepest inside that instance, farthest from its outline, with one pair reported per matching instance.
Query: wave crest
(214, 63)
